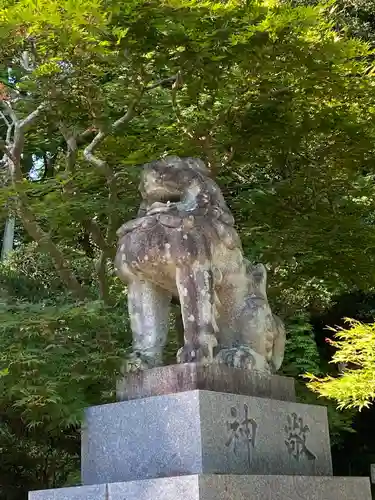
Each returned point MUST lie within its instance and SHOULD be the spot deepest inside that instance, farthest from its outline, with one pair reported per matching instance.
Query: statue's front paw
(243, 357)
(137, 362)
(157, 207)
(194, 354)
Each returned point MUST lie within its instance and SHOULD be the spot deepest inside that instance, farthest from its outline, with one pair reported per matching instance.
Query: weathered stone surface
(92, 492)
(203, 432)
(223, 487)
(281, 488)
(214, 377)
(184, 245)
(174, 488)
(372, 473)
(141, 439)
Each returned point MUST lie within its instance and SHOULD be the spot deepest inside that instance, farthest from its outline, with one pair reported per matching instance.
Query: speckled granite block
(93, 492)
(215, 377)
(222, 487)
(203, 432)
(142, 439)
(372, 473)
(172, 488)
(281, 488)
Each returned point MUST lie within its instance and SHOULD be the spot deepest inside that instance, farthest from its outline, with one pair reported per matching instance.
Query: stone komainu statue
(183, 244)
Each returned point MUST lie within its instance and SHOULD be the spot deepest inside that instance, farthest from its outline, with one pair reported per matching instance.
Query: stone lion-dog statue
(183, 245)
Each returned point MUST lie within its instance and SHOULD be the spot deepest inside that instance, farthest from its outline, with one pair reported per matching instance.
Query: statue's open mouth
(172, 198)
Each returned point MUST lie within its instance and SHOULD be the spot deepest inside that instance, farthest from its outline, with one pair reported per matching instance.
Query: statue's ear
(195, 164)
(198, 165)
(173, 161)
(259, 280)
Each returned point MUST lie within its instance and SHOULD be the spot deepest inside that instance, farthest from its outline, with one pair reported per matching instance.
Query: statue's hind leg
(149, 318)
(195, 289)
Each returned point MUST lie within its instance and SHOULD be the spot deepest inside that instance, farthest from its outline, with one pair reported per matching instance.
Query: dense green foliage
(277, 98)
(355, 387)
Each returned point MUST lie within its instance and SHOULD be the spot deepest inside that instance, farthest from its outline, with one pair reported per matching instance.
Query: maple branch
(24, 211)
(170, 81)
(23, 124)
(7, 152)
(5, 146)
(88, 153)
(106, 243)
(7, 106)
(101, 135)
(102, 165)
(7, 122)
(88, 223)
(228, 157)
(71, 157)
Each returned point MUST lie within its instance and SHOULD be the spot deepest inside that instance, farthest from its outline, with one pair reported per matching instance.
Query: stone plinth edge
(216, 377)
(219, 487)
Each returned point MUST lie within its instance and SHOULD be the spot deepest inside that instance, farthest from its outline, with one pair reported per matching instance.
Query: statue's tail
(278, 344)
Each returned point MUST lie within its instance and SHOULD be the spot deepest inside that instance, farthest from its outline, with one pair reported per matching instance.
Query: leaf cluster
(354, 387)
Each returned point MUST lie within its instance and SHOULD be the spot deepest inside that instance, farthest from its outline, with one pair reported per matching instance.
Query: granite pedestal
(205, 433)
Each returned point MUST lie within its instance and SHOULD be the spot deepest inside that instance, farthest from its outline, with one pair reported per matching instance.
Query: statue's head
(166, 179)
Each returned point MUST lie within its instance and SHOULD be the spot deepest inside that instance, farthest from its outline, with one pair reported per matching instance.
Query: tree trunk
(46, 243)
(8, 240)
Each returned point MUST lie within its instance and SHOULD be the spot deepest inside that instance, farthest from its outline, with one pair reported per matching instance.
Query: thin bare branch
(89, 131)
(129, 114)
(8, 139)
(7, 152)
(126, 118)
(88, 153)
(228, 157)
(101, 270)
(171, 80)
(9, 110)
(8, 123)
(88, 223)
(31, 117)
(93, 227)
(71, 142)
(101, 135)
(22, 124)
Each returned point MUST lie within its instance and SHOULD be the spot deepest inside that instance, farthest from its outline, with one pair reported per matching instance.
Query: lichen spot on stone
(191, 318)
(185, 237)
